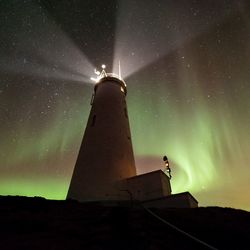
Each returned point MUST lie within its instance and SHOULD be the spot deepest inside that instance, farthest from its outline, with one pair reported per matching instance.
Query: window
(126, 112)
(93, 121)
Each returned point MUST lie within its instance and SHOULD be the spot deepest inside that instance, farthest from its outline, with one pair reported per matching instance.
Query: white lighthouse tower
(106, 155)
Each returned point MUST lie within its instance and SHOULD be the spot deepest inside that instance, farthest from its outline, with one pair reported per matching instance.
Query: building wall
(149, 186)
(106, 154)
(181, 200)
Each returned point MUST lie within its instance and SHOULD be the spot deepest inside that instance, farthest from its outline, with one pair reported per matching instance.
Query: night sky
(187, 68)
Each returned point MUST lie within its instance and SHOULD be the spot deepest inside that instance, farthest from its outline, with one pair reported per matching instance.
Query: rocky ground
(37, 223)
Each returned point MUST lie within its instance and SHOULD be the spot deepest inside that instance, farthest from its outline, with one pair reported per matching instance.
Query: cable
(179, 230)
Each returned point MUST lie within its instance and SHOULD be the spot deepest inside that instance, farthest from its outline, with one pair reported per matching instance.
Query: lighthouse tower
(106, 155)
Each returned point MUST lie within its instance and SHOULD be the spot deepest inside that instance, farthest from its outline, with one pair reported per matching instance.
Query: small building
(180, 200)
(152, 185)
(153, 189)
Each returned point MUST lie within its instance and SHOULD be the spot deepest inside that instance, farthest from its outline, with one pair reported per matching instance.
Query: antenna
(119, 66)
(103, 73)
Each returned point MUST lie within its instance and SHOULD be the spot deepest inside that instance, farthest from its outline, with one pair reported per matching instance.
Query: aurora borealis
(187, 69)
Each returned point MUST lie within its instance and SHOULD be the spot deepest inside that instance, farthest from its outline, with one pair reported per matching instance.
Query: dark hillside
(37, 223)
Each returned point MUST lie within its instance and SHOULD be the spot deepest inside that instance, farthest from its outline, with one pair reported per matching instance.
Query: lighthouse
(105, 167)
(106, 155)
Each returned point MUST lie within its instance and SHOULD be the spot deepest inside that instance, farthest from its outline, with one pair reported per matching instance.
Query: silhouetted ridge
(37, 223)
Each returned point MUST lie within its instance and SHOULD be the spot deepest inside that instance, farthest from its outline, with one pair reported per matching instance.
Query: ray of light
(40, 48)
(145, 35)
